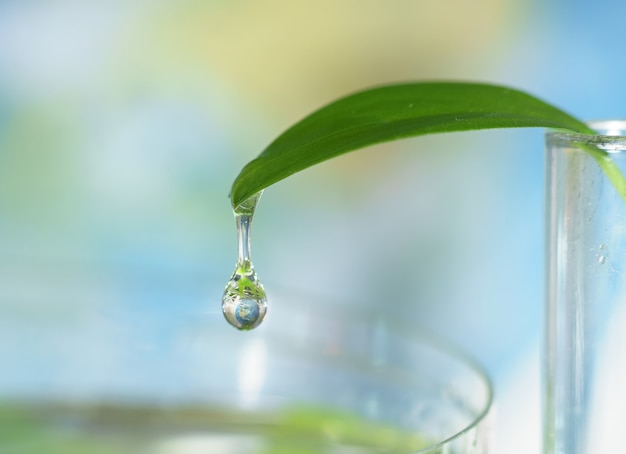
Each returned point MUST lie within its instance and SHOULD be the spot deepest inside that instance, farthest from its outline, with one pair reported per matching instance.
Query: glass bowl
(86, 374)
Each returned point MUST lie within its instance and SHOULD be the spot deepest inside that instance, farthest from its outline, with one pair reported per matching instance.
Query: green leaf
(394, 112)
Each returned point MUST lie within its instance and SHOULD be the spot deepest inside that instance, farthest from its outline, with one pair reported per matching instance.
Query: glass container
(316, 378)
(585, 397)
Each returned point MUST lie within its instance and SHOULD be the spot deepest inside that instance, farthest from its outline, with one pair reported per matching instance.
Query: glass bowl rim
(428, 338)
(459, 354)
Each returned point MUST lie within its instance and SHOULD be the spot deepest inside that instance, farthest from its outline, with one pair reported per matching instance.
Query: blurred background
(123, 124)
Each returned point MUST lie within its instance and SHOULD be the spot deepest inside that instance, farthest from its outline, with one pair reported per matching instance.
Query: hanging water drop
(244, 303)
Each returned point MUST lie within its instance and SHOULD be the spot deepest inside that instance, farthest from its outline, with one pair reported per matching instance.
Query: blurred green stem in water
(112, 429)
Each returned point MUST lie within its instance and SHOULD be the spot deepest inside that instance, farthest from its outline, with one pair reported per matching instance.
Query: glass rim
(441, 346)
(461, 355)
(611, 137)
(487, 404)
(428, 338)
(425, 338)
(611, 132)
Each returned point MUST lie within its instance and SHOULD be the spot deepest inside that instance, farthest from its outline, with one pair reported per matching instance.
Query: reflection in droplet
(244, 303)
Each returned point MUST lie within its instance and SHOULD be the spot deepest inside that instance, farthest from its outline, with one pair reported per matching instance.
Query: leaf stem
(611, 170)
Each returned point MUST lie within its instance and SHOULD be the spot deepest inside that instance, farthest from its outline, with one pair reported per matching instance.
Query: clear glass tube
(585, 396)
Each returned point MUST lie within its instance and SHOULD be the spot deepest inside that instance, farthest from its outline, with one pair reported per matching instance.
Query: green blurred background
(123, 124)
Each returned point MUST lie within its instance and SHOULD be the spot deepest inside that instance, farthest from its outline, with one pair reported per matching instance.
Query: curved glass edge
(482, 415)
(425, 337)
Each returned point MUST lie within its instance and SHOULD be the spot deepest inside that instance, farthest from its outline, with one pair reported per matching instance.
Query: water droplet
(244, 303)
